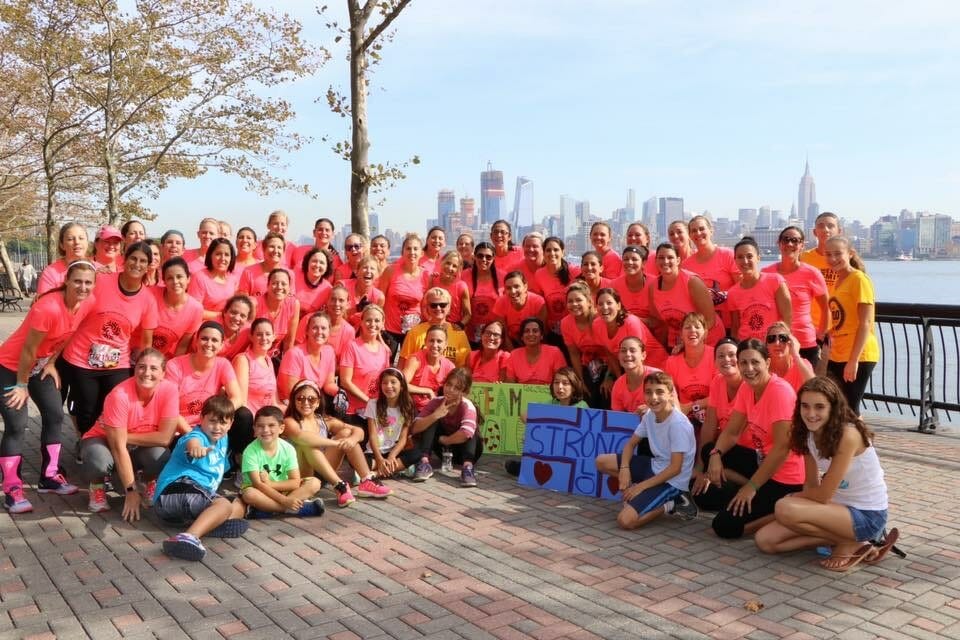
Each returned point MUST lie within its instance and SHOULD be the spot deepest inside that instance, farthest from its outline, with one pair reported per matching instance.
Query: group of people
(309, 355)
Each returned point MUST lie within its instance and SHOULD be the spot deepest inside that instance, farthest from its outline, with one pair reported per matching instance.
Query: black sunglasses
(438, 305)
(783, 338)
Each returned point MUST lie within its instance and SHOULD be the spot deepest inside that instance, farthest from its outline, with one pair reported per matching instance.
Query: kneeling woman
(844, 500)
(764, 406)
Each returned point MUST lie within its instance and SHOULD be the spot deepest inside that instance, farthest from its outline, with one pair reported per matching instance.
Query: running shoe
(424, 472)
(373, 488)
(98, 498)
(684, 507)
(56, 484)
(344, 495)
(185, 547)
(311, 509)
(467, 477)
(230, 528)
(15, 502)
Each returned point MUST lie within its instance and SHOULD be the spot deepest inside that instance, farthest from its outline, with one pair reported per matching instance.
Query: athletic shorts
(182, 501)
(653, 498)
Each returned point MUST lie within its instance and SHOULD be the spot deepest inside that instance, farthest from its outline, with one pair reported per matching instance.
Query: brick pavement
(501, 561)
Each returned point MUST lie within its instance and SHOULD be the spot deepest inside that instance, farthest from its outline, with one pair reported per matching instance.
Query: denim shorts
(182, 502)
(867, 525)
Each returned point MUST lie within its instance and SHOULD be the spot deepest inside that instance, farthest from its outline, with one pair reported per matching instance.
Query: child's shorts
(653, 498)
(867, 525)
(182, 501)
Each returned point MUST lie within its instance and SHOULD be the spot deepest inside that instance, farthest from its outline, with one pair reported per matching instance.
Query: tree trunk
(50, 226)
(359, 183)
(113, 212)
(8, 267)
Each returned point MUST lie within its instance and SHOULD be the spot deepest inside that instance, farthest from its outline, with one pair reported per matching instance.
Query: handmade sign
(562, 443)
(501, 405)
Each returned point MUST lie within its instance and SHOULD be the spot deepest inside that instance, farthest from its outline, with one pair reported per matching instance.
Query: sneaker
(512, 467)
(238, 480)
(15, 502)
(344, 495)
(148, 493)
(409, 472)
(56, 484)
(230, 528)
(355, 480)
(424, 471)
(373, 488)
(311, 509)
(257, 514)
(185, 547)
(684, 507)
(467, 477)
(98, 498)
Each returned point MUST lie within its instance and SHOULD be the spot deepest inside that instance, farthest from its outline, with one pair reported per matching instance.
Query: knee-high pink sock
(51, 469)
(11, 477)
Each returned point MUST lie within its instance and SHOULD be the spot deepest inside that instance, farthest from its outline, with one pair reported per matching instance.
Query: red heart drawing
(542, 472)
(613, 484)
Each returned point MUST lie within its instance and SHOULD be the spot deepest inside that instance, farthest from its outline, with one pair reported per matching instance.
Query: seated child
(271, 474)
(654, 479)
(187, 486)
(389, 417)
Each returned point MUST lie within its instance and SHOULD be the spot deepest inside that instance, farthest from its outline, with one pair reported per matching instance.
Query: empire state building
(807, 207)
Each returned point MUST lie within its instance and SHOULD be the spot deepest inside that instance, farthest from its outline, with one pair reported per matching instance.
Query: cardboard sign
(501, 404)
(561, 446)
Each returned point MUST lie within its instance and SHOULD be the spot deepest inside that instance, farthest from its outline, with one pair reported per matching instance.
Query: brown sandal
(849, 561)
(884, 549)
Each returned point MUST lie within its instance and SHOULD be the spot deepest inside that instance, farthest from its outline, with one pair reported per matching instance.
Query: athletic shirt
(719, 271)
(794, 376)
(462, 419)
(757, 305)
(312, 297)
(367, 366)
(281, 320)
(554, 294)
(488, 371)
(122, 409)
(723, 406)
(863, 486)
(636, 302)
(674, 304)
(194, 387)
(852, 291)
(172, 324)
(540, 372)
(373, 295)
(388, 434)
(511, 261)
(290, 254)
(236, 346)
(213, 295)
(692, 383)
(50, 316)
(805, 283)
(52, 276)
(632, 327)
(403, 304)
(102, 340)
(253, 282)
(299, 365)
(425, 376)
(585, 340)
(482, 301)
(530, 276)
(514, 317)
(261, 383)
(457, 289)
(621, 396)
(776, 404)
(819, 262)
(341, 336)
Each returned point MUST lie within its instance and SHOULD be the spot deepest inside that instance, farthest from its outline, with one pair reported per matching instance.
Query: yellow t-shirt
(852, 291)
(458, 347)
(818, 261)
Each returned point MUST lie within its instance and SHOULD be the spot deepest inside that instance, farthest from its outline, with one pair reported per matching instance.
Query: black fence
(918, 374)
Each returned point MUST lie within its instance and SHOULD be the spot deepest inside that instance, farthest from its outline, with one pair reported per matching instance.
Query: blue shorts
(867, 525)
(182, 501)
(640, 469)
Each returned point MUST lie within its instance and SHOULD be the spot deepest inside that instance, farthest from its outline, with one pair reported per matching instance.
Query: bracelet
(753, 486)
(19, 385)
(715, 452)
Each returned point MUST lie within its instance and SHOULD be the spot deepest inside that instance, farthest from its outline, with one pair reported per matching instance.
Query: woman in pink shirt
(246, 249)
(234, 320)
(311, 286)
(283, 310)
(484, 285)
(715, 265)
(764, 406)
(314, 360)
(591, 272)
(600, 238)
(342, 333)
(612, 324)
(692, 369)
(679, 237)
(361, 363)
(532, 247)
(507, 255)
(785, 358)
(403, 284)
(587, 354)
(207, 231)
(534, 362)
(447, 277)
(355, 250)
(380, 251)
(633, 284)
(676, 293)
(216, 283)
(627, 392)
(489, 362)
(433, 249)
(362, 290)
(552, 280)
(72, 244)
(759, 299)
(638, 235)
(427, 368)
(517, 305)
(253, 280)
(108, 253)
(171, 244)
(28, 372)
(178, 314)
(256, 382)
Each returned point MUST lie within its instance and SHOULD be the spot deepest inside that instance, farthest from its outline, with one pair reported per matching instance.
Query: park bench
(10, 297)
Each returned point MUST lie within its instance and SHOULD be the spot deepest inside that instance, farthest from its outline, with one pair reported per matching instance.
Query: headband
(305, 383)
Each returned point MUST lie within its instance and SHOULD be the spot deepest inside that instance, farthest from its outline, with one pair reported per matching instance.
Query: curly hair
(827, 438)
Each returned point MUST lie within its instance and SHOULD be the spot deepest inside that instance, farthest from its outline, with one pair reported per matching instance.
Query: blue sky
(715, 101)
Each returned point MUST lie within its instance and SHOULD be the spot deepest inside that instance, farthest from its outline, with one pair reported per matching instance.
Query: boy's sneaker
(467, 477)
(424, 472)
(257, 514)
(230, 528)
(344, 495)
(15, 502)
(98, 498)
(148, 493)
(311, 509)
(684, 507)
(373, 488)
(185, 547)
(56, 484)
(409, 472)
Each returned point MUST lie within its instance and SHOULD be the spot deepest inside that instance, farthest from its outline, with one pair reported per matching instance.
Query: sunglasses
(353, 247)
(438, 305)
(778, 337)
(791, 240)
(308, 399)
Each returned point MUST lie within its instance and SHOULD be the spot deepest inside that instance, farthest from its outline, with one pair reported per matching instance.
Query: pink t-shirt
(341, 336)
(636, 302)
(102, 341)
(292, 254)
(612, 264)
(457, 289)
(403, 304)
(312, 298)
(462, 419)
(586, 342)
(673, 304)
(529, 274)
(261, 383)
(483, 299)
(48, 315)
(299, 365)
(622, 398)
(373, 295)
(298, 254)
(488, 371)
(757, 305)
(692, 383)
(776, 404)
(253, 282)
(723, 406)
(514, 317)
(794, 376)
(720, 270)
(211, 293)
(554, 294)
(426, 376)
(805, 284)
(52, 276)
(122, 409)
(281, 319)
(239, 344)
(195, 387)
(541, 372)
(172, 324)
(366, 366)
(511, 261)
(632, 326)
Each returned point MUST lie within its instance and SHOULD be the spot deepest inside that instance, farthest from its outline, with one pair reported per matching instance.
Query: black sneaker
(512, 467)
(684, 507)
(230, 528)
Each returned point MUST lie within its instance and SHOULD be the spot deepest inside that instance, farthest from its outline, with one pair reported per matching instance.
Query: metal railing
(919, 369)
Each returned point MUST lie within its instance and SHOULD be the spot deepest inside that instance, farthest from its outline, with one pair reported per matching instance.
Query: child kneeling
(654, 479)
(187, 486)
(271, 473)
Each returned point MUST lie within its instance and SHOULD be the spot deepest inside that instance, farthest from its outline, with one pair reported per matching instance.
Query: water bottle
(447, 465)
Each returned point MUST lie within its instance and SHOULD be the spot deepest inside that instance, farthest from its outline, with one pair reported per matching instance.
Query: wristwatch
(131, 488)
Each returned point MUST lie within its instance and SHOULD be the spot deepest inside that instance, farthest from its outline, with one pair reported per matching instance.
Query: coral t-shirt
(585, 340)
(490, 370)
(632, 326)
(723, 406)
(253, 282)
(512, 260)
(366, 366)
(554, 294)
(457, 289)
(341, 336)
(373, 296)
(622, 398)
(541, 372)
(48, 315)
(280, 320)
(757, 305)
(692, 383)
(299, 365)
(261, 382)
(210, 292)
(426, 376)
(172, 324)
(612, 264)
(403, 304)
(482, 302)
(805, 284)
(636, 302)
(312, 297)
(52, 276)
(776, 404)
(719, 271)
(122, 409)
(514, 317)
(195, 387)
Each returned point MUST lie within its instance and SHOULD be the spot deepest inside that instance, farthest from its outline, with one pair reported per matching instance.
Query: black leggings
(853, 391)
(241, 433)
(427, 443)
(729, 526)
(88, 390)
(45, 395)
(738, 459)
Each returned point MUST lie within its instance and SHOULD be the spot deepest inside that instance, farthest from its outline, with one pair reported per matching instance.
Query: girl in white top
(844, 499)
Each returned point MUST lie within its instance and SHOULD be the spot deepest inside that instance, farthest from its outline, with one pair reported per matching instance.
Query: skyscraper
(446, 205)
(649, 217)
(747, 219)
(523, 204)
(807, 198)
(492, 195)
(468, 209)
(670, 209)
(568, 216)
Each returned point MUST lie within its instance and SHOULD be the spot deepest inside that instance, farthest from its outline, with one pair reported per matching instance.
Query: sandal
(882, 550)
(848, 561)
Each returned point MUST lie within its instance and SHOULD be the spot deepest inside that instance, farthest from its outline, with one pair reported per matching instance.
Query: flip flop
(848, 561)
(884, 549)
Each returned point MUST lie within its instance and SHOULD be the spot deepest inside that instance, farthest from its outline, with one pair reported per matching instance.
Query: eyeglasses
(438, 305)
(353, 247)
(491, 334)
(308, 399)
(775, 337)
(484, 256)
(791, 240)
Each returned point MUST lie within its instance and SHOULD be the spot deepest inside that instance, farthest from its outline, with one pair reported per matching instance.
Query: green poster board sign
(501, 405)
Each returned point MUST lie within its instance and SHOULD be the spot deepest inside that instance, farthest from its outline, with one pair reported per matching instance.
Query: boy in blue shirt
(654, 478)
(187, 486)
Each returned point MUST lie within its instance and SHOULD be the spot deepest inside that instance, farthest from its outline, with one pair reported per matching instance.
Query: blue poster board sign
(561, 445)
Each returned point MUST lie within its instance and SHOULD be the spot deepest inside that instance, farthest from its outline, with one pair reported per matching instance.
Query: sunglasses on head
(775, 337)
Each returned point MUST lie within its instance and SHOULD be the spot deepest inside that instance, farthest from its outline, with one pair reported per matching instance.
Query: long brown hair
(404, 401)
(827, 438)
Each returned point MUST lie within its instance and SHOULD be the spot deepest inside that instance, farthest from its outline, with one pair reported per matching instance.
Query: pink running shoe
(15, 502)
(149, 491)
(98, 498)
(373, 488)
(344, 495)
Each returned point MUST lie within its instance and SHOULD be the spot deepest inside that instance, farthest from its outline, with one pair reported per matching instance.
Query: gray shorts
(182, 501)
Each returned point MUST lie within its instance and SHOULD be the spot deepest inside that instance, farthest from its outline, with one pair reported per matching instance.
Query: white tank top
(863, 487)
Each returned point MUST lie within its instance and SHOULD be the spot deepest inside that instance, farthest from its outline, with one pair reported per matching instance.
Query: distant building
(523, 204)
(670, 209)
(885, 237)
(649, 215)
(747, 219)
(468, 209)
(492, 195)
(763, 218)
(808, 208)
(446, 206)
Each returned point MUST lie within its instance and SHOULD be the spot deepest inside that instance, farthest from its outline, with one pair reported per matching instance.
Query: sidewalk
(500, 561)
